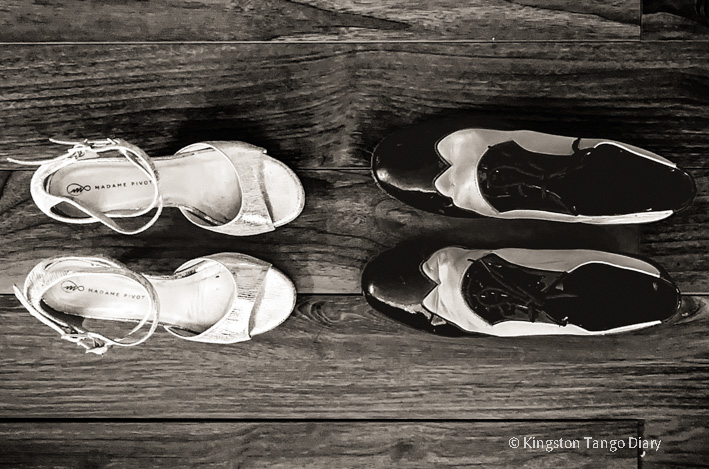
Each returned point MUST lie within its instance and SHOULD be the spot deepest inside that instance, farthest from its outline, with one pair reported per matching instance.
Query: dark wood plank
(317, 20)
(679, 242)
(681, 437)
(337, 358)
(347, 221)
(350, 444)
(325, 249)
(675, 19)
(328, 105)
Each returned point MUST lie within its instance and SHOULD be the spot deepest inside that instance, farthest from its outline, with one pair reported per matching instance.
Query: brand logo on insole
(77, 189)
(70, 287)
(129, 296)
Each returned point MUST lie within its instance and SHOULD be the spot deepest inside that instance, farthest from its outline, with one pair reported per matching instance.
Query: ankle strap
(88, 150)
(42, 277)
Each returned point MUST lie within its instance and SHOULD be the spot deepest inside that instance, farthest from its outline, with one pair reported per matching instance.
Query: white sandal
(223, 298)
(229, 187)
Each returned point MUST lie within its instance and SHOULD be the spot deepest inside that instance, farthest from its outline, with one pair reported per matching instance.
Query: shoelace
(509, 296)
(495, 178)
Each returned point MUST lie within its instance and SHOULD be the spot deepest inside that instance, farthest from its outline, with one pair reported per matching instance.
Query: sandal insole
(192, 303)
(204, 180)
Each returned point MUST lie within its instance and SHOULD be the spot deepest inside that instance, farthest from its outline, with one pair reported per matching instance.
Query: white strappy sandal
(229, 187)
(223, 299)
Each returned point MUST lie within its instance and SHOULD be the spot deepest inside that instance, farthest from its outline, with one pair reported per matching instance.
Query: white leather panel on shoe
(464, 149)
(558, 260)
(447, 267)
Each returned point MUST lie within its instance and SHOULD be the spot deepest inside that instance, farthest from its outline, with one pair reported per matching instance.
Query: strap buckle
(94, 345)
(82, 146)
(77, 150)
(98, 344)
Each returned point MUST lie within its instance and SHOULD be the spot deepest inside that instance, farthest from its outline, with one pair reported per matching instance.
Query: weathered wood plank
(682, 438)
(675, 19)
(325, 249)
(337, 358)
(317, 20)
(679, 242)
(347, 220)
(350, 444)
(329, 105)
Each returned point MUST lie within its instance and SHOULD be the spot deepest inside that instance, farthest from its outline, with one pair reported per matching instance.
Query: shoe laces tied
(510, 296)
(495, 178)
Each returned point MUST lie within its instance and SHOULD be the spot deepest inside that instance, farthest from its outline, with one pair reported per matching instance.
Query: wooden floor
(318, 83)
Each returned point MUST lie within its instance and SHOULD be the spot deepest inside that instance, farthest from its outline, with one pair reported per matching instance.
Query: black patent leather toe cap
(405, 164)
(394, 285)
(684, 190)
(667, 296)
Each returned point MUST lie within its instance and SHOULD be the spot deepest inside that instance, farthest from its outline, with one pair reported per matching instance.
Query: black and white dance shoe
(467, 172)
(454, 291)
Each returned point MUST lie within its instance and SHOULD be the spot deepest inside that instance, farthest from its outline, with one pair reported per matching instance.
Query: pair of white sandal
(229, 187)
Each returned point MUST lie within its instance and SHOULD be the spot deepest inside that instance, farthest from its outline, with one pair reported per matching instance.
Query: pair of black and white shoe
(449, 169)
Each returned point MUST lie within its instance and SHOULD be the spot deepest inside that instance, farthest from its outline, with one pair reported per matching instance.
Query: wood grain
(675, 19)
(317, 20)
(328, 105)
(336, 358)
(347, 220)
(354, 444)
(327, 81)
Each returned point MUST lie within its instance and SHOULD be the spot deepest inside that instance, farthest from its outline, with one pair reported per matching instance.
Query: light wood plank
(347, 221)
(317, 20)
(350, 444)
(329, 105)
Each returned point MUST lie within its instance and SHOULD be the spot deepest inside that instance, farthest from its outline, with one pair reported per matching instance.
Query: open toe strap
(253, 216)
(89, 150)
(50, 272)
(249, 274)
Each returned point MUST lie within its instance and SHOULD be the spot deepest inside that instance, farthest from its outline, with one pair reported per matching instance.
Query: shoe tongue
(525, 291)
(516, 178)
